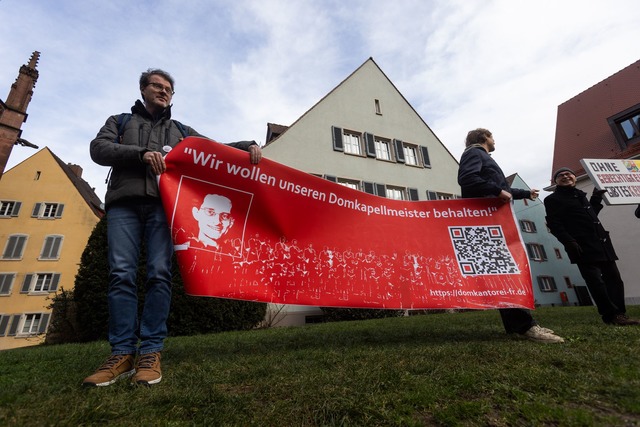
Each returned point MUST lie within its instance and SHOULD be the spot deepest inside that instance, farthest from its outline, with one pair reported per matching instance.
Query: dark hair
(145, 77)
(477, 136)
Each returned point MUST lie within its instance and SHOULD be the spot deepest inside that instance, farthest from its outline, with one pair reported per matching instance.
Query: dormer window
(626, 126)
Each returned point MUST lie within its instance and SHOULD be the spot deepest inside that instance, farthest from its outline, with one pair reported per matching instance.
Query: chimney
(77, 170)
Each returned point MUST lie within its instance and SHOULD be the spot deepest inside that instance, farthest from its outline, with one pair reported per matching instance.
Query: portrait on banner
(209, 217)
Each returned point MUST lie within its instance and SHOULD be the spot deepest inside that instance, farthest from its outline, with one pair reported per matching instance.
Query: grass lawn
(438, 369)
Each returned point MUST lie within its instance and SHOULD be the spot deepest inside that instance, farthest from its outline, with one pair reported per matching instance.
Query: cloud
(501, 64)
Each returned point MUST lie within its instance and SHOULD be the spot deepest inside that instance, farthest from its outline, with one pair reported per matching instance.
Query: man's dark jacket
(573, 218)
(480, 176)
(130, 176)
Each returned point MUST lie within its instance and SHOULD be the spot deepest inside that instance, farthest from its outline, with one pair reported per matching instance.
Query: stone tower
(13, 111)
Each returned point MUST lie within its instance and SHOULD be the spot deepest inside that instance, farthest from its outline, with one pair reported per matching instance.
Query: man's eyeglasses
(161, 88)
(223, 216)
(563, 174)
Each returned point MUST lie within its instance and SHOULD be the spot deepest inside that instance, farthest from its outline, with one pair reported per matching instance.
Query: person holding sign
(573, 220)
(480, 176)
(134, 148)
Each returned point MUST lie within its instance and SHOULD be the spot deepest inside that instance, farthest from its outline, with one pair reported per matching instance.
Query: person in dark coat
(480, 176)
(573, 220)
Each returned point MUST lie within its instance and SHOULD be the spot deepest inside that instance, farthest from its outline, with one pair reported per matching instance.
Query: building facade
(47, 213)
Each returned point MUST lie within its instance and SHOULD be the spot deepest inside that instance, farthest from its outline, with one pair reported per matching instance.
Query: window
(34, 323)
(352, 143)
(47, 210)
(395, 193)
(51, 247)
(15, 247)
(558, 253)
(349, 183)
(567, 281)
(536, 252)
(626, 126)
(410, 155)
(383, 149)
(436, 195)
(9, 208)
(40, 282)
(6, 283)
(547, 284)
(376, 104)
(527, 226)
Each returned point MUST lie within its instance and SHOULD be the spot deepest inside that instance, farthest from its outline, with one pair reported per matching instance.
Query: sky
(504, 65)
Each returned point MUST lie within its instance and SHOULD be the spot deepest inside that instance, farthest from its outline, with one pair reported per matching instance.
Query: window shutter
(399, 151)
(54, 282)
(46, 248)
(380, 190)
(16, 209)
(4, 321)
(8, 251)
(14, 325)
(59, 210)
(331, 178)
(432, 195)
(36, 210)
(55, 247)
(368, 187)
(413, 194)
(26, 284)
(425, 157)
(5, 283)
(337, 138)
(44, 320)
(371, 144)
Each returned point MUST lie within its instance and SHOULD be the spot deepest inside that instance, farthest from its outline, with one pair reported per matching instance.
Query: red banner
(271, 233)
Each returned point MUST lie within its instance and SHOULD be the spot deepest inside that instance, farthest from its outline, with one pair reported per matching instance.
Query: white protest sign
(621, 179)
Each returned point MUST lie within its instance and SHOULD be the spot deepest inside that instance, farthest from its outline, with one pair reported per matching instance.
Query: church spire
(13, 111)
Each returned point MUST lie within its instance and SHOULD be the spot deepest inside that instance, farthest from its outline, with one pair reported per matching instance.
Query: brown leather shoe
(148, 370)
(117, 366)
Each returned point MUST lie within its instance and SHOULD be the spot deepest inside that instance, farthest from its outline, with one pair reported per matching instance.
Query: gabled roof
(582, 129)
(370, 59)
(83, 187)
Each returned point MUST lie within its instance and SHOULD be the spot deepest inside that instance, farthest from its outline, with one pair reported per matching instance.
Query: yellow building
(47, 212)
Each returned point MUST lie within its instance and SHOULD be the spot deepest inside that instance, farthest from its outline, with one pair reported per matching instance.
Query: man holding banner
(480, 176)
(134, 148)
(574, 221)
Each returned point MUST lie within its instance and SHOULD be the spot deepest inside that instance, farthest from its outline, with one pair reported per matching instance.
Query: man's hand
(534, 194)
(156, 161)
(255, 154)
(505, 196)
(598, 193)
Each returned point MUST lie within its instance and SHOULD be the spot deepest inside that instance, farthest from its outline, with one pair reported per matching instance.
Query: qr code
(482, 250)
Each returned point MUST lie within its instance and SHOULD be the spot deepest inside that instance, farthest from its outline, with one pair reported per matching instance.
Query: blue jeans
(128, 225)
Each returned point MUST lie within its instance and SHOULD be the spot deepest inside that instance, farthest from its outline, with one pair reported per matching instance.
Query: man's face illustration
(214, 218)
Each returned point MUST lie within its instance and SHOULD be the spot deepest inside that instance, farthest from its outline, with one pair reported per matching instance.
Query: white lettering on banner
(252, 173)
(303, 191)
